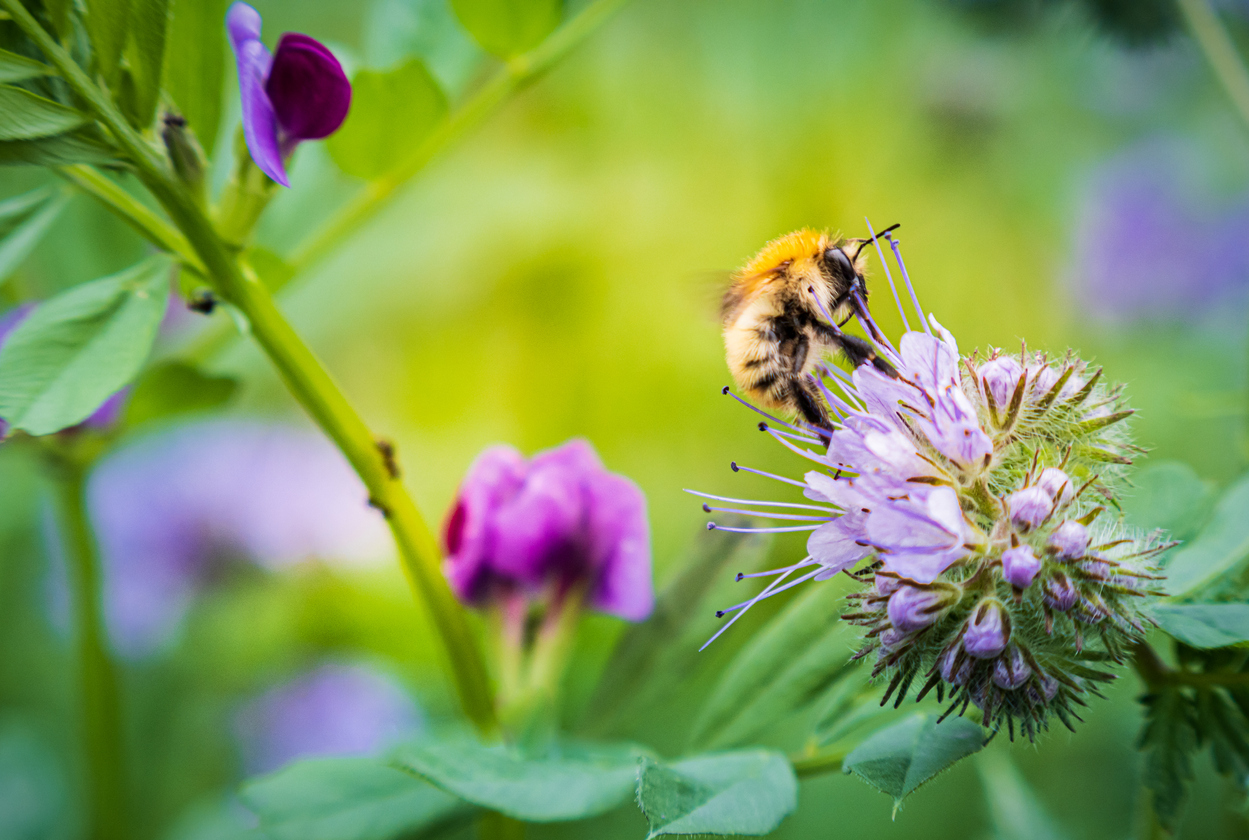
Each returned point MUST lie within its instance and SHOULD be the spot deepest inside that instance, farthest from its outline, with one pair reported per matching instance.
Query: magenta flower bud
(891, 638)
(1049, 690)
(1011, 671)
(1060, 593)
(988, 630)
(300, 93)
(1097, 569)
(911, 608)
(886, 585)
(1030, 506)
(1020, 565)
(1001, 377)
(1070, 540)
(1057, 483)
(559, 519)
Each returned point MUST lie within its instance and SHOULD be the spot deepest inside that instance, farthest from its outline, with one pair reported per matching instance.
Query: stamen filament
(897, 254)
(739, 468)
(760, 502)
(906, 325)
(794, 516)
(711, 526)
(767, 590)
(757, 410)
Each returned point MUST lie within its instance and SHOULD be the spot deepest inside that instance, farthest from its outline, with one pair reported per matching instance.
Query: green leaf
(1169, 740)
(24, 116)
(60, 150)
(145, 51)
(195, 51)
(346, 799)
(1168, 495)
(1222, 725)
(643, 646)
(392, 111)
(12, 210)
(79, 348)
(571, 784)
(508, 27)
(1204, 625)
(1222, 544)
(19, 242)
(902, 756)
(399, 29)
(106, 22)
(173, 388)
(1016, 811)
(17, 68)
(792, 655)
(719, 794)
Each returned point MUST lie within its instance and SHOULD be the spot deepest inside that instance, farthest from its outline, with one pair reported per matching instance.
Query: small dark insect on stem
(389, 457)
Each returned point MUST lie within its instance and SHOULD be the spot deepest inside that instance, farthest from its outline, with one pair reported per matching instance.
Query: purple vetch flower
(988, 630)
(558, 520)
(1020, 566)
(1030, 506)
(169, 509)
(1070, 540)
(943, 497)
(335, 709)
(300, 93)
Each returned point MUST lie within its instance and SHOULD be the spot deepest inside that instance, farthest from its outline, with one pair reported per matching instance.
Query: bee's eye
(838, 261)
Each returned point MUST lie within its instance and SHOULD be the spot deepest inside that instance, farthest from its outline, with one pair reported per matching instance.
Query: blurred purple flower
(559, 519)
(300, 93)
(168, 506)
(333, 710)
(1151, 244)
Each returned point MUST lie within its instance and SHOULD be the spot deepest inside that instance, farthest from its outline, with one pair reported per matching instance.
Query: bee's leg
(861, 352)
(811, 406)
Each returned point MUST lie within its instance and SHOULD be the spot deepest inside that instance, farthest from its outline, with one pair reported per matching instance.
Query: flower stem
(133, 212)
(512, 76)
(303, 373)
(1157, 675)
(1219, 50)
(806, 766)
(98, 683)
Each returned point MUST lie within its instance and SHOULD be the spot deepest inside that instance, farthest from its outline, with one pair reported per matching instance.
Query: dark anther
(202, 302)
(724, 390)
(389, 459)
(739, 577)
(733, 466)
(763, 427)
(706, 508)
(719, 613)
(711, 526)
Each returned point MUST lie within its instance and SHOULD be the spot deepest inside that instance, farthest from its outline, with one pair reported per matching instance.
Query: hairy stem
(98, 687)
(304, 375)
(1220, 52)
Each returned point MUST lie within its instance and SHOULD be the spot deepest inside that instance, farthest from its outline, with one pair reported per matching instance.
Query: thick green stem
(1157, 675)
(512, 76)
(1220, 52)
(304, 374)
(98, 688)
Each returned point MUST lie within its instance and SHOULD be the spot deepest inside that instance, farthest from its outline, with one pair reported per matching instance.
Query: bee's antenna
(865, 242)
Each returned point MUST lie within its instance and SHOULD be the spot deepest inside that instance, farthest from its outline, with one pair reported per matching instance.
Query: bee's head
(845, 274)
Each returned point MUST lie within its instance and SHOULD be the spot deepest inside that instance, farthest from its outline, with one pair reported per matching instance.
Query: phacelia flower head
(544, 526)
(299, 93)
(973, 488)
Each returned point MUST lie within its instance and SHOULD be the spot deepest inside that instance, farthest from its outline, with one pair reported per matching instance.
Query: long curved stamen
(767, 590)
(777, 591)
(768, 503)
(906, 325)
(726, 390)
(764, 427)
(897, 254)
(765, 514)
(711, 526)
(736, 467)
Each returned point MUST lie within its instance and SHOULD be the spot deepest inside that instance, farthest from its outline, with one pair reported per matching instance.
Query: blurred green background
(557, 275)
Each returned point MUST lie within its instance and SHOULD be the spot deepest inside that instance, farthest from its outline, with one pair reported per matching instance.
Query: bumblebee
(785, 309)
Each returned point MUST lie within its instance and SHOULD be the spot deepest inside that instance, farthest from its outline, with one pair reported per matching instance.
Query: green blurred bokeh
(557, 275)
